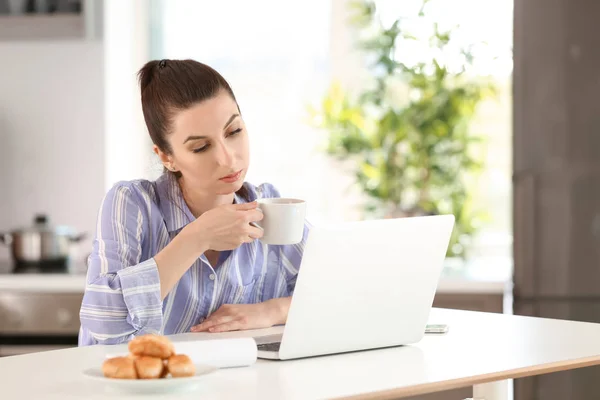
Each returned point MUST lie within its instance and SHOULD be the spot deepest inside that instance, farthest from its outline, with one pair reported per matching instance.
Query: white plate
(150, 385)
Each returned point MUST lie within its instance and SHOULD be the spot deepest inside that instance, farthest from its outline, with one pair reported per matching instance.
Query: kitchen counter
(486, 275)
(43, 283)
(481, 277)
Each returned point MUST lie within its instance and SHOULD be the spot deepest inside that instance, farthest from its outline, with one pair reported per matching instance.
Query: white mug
(283, 220)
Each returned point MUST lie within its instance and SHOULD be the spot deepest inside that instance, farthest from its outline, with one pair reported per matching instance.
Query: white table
(481, 350)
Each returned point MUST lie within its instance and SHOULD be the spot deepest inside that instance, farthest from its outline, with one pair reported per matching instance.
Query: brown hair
(169, 86)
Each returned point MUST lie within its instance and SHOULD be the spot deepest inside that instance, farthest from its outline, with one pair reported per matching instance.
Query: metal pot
(41, 242)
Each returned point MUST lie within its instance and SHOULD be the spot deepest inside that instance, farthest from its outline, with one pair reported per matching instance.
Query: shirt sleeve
(122, 296)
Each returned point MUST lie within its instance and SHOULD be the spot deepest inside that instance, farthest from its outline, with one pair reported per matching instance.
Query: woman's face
(209, 146)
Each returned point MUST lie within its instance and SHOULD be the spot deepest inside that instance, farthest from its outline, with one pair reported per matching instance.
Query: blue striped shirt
(137, 219)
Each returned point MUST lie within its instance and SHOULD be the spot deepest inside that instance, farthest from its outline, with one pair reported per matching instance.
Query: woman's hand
(233, 317)
(222, 228)
(228, 227)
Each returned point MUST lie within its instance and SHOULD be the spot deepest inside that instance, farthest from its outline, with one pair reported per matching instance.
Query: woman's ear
(166, 159)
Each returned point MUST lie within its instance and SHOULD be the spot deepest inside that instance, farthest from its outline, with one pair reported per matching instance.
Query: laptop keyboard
(269, 346)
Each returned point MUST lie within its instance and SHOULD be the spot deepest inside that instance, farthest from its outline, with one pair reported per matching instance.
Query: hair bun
(146, 73)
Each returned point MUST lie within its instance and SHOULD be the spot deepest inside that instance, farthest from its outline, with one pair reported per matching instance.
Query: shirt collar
(176, 212)
(237, 199)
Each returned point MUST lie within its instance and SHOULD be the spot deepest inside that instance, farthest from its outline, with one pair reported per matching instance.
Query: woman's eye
(232, 133)
(201, 149)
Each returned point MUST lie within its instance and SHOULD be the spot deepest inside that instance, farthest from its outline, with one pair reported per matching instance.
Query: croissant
(150, 357)
(119, 368)
(152, 346)
(180, 366)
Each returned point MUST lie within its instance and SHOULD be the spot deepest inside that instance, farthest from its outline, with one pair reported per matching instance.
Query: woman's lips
(231, 178)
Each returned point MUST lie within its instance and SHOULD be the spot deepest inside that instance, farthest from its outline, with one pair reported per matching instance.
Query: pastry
(149, 367)
(152, 346)
(119, 368)
(150, 357)
(180, 366)
(165, 369)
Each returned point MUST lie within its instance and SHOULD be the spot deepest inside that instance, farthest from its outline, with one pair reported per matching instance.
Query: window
(489, 22)
(279, 57)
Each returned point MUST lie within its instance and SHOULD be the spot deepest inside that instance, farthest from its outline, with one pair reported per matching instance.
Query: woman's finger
(212, 321)
(246, 239)
(226, 327)
(245, 206)
(254, 216)
(255, 233)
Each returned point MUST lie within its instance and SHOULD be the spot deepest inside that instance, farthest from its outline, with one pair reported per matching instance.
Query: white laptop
(363, 285)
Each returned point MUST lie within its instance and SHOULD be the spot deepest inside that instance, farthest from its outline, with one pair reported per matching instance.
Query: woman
(180, 253)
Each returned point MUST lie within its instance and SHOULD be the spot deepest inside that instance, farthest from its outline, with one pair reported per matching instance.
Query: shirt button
(212, 277)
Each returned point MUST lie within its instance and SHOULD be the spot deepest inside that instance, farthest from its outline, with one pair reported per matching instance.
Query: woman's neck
(199, 201)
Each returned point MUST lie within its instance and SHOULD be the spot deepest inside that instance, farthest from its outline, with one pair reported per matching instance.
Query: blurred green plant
(408, 135)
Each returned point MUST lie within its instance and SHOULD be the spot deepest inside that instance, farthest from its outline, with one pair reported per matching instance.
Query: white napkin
(220, 353)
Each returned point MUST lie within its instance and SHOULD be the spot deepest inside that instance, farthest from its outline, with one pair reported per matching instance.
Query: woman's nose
(224, 156)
